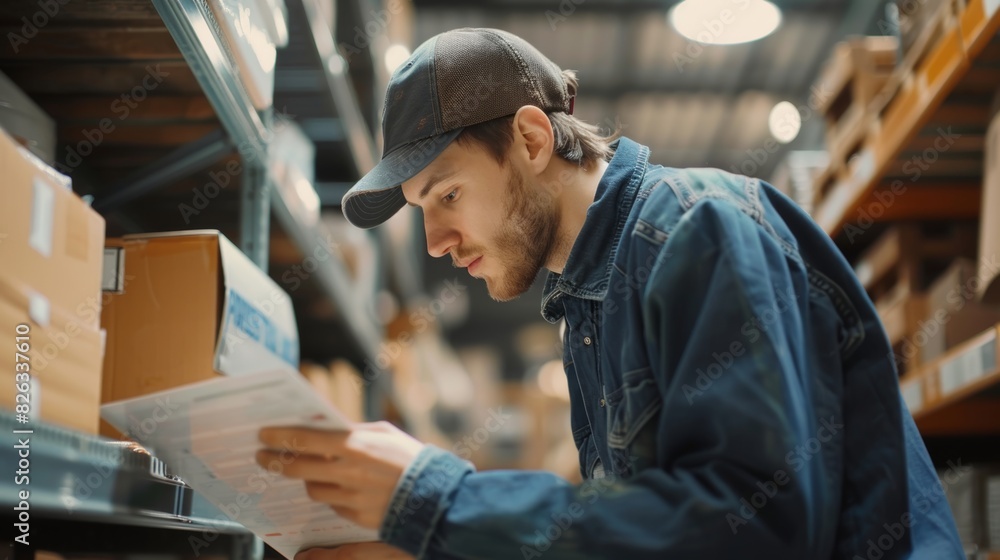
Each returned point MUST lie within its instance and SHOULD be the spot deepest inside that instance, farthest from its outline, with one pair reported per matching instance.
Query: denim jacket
(733, 395)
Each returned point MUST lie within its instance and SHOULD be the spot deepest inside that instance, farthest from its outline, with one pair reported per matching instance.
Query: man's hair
(574, 140)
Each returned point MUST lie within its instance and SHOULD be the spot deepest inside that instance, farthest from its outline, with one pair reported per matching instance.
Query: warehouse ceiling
(693, 105)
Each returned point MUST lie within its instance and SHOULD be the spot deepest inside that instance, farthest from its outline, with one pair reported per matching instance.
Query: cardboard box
(49, 239)
(340, 386)
(915, 20)
(318, 377)
(193, 307)
(64, 361)
(32, 127)
(989, 224)
(953, 314)
(347, 391)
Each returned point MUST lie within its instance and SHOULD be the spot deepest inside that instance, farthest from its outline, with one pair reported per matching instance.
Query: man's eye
(450, 197)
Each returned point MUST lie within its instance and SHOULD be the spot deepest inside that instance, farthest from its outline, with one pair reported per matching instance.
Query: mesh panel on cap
(486, 74)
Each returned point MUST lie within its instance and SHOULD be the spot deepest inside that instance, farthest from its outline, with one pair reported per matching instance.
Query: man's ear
(533, 140)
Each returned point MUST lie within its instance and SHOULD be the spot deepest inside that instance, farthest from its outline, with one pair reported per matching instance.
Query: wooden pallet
(897, 269)
(937, 22)
(856, 72)
(853, 130)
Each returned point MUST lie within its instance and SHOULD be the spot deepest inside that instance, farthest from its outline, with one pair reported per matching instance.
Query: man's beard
(525, 238)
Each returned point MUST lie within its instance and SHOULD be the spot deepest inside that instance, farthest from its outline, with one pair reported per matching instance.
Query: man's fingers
(377, 426)
(331, 494)
(340, 471)
(306, 467)
(325, 443)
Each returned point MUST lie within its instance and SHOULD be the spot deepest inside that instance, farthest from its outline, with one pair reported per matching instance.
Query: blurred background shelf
(945, 102)
(185, 148)
(163, 126)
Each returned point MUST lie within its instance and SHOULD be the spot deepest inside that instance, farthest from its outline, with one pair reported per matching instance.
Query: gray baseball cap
(456, 79)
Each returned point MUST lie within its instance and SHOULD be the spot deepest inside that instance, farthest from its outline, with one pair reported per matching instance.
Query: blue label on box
(249, 320)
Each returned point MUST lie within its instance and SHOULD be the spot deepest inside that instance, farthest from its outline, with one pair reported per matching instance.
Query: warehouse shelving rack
(952, 85)
(194, 123)
(87, 496)
(958, 394)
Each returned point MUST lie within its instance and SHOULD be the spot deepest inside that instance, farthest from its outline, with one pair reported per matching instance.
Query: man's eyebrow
(431, 181)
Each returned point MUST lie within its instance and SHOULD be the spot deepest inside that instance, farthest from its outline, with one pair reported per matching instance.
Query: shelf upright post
(255, 213)
(196, 33)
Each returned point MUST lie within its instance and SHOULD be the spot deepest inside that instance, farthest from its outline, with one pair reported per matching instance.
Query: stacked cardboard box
(953, 314)
(341, 385)
(921, 22)
(856, 72)
(191, 307)
(51, 246)
(989, 224)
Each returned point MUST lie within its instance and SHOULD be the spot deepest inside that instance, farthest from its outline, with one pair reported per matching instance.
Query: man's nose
(440, 238)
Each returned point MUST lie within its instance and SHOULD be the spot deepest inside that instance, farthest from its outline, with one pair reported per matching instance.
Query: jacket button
(602, 403)
(587, 340)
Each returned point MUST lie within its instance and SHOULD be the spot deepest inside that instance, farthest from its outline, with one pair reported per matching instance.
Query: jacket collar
(588, 267)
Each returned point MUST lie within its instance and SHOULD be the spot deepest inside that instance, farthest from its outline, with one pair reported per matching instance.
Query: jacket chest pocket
(632, 409)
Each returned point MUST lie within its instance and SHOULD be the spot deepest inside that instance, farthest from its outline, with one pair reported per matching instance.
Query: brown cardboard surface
(346, 390)
(953, 314)
(70, 276)
(162, 330)
(171, 326)
(65, 362)
(989, 225)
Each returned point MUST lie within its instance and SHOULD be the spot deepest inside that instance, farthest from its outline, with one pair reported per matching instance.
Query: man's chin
(504, 291)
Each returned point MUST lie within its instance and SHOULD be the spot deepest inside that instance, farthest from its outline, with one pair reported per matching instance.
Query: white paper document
(206, 433)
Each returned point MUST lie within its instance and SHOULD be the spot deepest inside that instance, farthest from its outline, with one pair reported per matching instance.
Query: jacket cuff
(421, 498)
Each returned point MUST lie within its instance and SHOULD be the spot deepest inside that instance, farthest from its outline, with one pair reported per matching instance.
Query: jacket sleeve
(734, 475)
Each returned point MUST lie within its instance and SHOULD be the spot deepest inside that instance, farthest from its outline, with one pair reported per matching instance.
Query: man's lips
(474, 265)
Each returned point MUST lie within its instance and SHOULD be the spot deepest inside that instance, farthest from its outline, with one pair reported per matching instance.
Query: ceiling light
(395, 56)
(784, 122)
(725, 22)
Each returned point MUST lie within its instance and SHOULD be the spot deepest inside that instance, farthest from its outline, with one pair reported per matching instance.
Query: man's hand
(360, 551)
(354, 471)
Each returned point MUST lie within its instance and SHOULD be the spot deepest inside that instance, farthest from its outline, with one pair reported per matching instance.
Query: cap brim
(377, 196)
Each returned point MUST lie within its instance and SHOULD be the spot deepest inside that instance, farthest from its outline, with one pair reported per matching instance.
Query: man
(733, 392)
